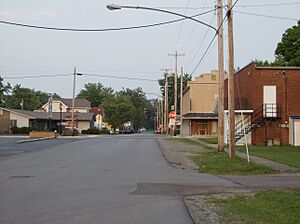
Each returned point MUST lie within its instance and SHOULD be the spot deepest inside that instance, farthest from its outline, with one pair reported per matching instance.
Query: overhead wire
(213, 38)
(193, 31)
(181, 27)
(267, 16)
(100, 29)
(84, 74)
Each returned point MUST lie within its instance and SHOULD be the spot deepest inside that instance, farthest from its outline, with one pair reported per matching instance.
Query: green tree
(288, 49)
(4, 89)
(96, 93)
(30, 99)
(171, 79)
(141, 112)
(118, 110)
(44, 97)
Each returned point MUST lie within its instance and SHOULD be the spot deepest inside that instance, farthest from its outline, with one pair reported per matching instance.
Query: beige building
(81, 105)
(200, 115)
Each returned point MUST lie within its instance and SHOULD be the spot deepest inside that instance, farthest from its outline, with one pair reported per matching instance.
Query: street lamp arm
(116, 7)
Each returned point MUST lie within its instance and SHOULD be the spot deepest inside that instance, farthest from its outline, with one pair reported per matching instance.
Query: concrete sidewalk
(282, 168)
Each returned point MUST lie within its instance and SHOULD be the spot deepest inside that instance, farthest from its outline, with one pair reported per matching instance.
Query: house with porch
(200, 117)
(268, 100)
(42, 120)
(65, 105)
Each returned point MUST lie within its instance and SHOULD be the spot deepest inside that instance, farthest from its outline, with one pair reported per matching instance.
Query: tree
(118, 110)
(96, 93)
(161, 82)
(4, 89)
(142, 108)
(44, 97)
(288, 50)
(30, 99)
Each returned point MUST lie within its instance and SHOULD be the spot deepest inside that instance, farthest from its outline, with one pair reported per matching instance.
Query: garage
(294, 130)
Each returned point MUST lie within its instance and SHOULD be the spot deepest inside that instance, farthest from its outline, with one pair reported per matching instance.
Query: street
(110, 179)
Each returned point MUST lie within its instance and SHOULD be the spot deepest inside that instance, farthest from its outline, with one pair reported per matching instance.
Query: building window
(213, 77)
(13, 123)
(190, 104)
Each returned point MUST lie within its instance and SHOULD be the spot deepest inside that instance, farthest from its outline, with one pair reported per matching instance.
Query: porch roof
(200, 116)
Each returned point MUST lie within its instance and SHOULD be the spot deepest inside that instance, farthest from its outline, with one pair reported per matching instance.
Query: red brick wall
(250, 81)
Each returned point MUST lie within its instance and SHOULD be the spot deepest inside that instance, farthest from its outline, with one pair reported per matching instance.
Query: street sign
(172, 115)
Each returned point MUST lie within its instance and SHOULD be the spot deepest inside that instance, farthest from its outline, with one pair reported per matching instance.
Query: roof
(199, 116)
(78, 102)
(97, 110)
(295, 116)
(55, 115)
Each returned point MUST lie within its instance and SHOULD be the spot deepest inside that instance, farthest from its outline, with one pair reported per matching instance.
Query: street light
(118, 7)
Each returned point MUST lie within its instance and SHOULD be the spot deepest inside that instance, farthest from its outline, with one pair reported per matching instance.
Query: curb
(34, 140)
(175, 159)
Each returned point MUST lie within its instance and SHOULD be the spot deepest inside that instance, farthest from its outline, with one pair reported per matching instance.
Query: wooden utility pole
(176, 55)
(181, 103)
(231, 106)
(175, 85)
(221, 78)
(166, 114)
(157, 115)
(73, 101)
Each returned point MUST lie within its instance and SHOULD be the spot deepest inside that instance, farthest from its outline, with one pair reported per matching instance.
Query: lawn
(289, 155)
(219, 163)
(264, 207)
(209, 140)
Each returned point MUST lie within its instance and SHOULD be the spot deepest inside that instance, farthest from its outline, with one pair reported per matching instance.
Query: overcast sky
(138, 53)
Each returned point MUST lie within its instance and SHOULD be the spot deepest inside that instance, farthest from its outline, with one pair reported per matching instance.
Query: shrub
(14, 130)
(104, 131)
(22, 130)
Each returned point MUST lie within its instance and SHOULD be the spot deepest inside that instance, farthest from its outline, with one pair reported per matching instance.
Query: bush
(95, 131)
(104, 131)
(22, 130)
(14, 130)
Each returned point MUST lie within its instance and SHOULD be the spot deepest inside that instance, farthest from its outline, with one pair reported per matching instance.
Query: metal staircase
(258, 118)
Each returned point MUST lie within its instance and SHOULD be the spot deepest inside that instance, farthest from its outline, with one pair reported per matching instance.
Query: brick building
(271, 96)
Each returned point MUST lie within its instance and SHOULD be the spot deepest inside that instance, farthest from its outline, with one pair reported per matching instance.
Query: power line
(120, 77)
(212, 40)
(84, 74)
(99, 30)
(90, 30)
(240, 6)
(267, 16)
(36, 76)
(268, 5)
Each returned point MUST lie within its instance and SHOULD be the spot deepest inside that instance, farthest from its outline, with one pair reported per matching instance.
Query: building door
(270, 107)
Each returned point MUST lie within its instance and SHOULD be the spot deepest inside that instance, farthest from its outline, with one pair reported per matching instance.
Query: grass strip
(219, 163)
(289, 155)
(209, 140)
(264, 207)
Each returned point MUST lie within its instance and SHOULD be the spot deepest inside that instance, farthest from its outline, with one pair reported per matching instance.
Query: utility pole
(73, 101)
(221, 78)
(157, 114)
(175, 85)
(176, 55)
(161, 115)
(181, 101)
(166, 114)
(231, 106)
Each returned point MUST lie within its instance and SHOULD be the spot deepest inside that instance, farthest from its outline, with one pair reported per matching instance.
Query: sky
(136, 53)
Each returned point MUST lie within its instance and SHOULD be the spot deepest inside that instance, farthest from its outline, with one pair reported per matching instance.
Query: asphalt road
(113, 179)
(9, 145)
